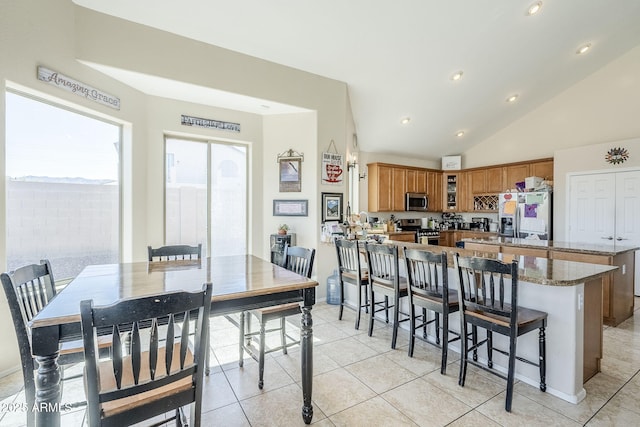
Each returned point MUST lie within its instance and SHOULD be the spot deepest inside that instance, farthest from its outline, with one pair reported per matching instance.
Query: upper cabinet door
(513, 174)
(493, 180)
(542, 169)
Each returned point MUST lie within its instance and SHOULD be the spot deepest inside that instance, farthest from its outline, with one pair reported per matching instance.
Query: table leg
(47, 392)
(306, 343)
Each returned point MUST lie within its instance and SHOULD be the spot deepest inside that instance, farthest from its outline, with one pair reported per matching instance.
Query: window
(206, 195)
(63, 192)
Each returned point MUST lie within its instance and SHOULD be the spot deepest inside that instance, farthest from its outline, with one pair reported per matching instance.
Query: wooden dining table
(240, 282)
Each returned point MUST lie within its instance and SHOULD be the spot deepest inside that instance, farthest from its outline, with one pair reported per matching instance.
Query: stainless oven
(432, 236)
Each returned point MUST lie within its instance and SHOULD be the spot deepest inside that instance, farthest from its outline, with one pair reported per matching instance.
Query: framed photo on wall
(290, 207)
(290, 174)
(331, 207)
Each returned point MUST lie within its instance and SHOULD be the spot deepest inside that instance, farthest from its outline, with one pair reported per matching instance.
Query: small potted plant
(283, 228)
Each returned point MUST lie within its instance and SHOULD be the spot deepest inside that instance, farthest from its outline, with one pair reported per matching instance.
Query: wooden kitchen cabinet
(454, 188)
(493, 180)
(542, 169)
(477, 181)
(515, 173)
(434, 191)
(387, 187)
(399, 178)
(416, 181)
(617, 286)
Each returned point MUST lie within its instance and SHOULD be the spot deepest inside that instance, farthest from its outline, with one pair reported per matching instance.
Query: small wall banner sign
(209, 123)
(332, 171)
(74, 86)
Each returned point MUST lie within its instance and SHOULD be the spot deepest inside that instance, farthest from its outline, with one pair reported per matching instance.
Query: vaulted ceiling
(399, 57)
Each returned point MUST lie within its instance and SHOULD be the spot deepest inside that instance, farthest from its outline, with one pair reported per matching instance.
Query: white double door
(604, 208)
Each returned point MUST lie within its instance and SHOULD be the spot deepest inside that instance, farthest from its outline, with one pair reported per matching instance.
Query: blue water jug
(333, 293)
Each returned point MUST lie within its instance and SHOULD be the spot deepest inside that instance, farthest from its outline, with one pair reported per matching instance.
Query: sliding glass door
(206, 195)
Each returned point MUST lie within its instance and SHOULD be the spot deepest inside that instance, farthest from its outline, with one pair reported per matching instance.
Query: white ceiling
(397, 57)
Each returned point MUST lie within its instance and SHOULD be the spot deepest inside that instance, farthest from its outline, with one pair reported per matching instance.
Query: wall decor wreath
(617, 155)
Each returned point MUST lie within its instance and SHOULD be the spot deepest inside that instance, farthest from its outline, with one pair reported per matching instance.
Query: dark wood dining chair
(299, 260)
(161, 374)
(384, 279)
(175, 252)
(427, 275)
(351, 272)
(484, 302)
(28, 290)
(172, 253)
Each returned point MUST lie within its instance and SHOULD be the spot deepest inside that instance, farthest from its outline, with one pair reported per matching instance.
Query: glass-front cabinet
(455, 190)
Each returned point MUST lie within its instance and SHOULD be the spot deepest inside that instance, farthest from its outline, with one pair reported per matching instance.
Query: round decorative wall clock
(617, 155)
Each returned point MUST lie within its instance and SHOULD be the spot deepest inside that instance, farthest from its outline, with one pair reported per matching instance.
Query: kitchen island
(571, 294)
(618, 286)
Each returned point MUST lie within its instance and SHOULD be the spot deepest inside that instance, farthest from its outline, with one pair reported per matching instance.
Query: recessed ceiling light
(583, 49)
(405, 120)
(457, 76)
(460, 133)
(512, 98)
(534, 8)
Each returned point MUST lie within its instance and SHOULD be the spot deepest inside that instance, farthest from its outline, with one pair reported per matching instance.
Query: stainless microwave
(416, 202)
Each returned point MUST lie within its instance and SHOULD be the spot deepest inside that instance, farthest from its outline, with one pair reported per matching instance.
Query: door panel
(591, 208)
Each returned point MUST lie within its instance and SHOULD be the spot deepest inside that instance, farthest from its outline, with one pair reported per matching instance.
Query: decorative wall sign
(209, 123)
(290, 207)
(617, 155)
(71, 85)
(332, 168)
(332, 171)
(331, 207)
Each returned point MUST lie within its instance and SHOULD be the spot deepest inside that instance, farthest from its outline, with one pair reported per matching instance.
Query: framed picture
(332, 207)
(290, 207)
(290, 174)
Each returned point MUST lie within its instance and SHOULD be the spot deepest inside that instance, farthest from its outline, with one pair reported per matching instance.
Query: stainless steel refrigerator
(525, 215)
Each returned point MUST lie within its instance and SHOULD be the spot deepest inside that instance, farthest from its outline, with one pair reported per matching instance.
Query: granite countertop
(542, 271)
(585, 248)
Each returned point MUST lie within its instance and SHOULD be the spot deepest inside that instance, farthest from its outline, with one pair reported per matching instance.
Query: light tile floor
(360, 381)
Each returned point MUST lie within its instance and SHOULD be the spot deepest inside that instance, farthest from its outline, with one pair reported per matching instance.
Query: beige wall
(59, 35)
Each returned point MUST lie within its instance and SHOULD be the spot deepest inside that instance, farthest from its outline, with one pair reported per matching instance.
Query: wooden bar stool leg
(359, 306)
(342, 300)
(386, 308)
(396, 318)
(437, 322)
(372, 313)
(511, 372)
(543, 359)
(412, 328)
(445, 343)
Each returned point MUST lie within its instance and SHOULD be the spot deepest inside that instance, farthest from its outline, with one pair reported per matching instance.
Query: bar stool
(351, 272)
(484, 303)
(384, 279)
(427, 275)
